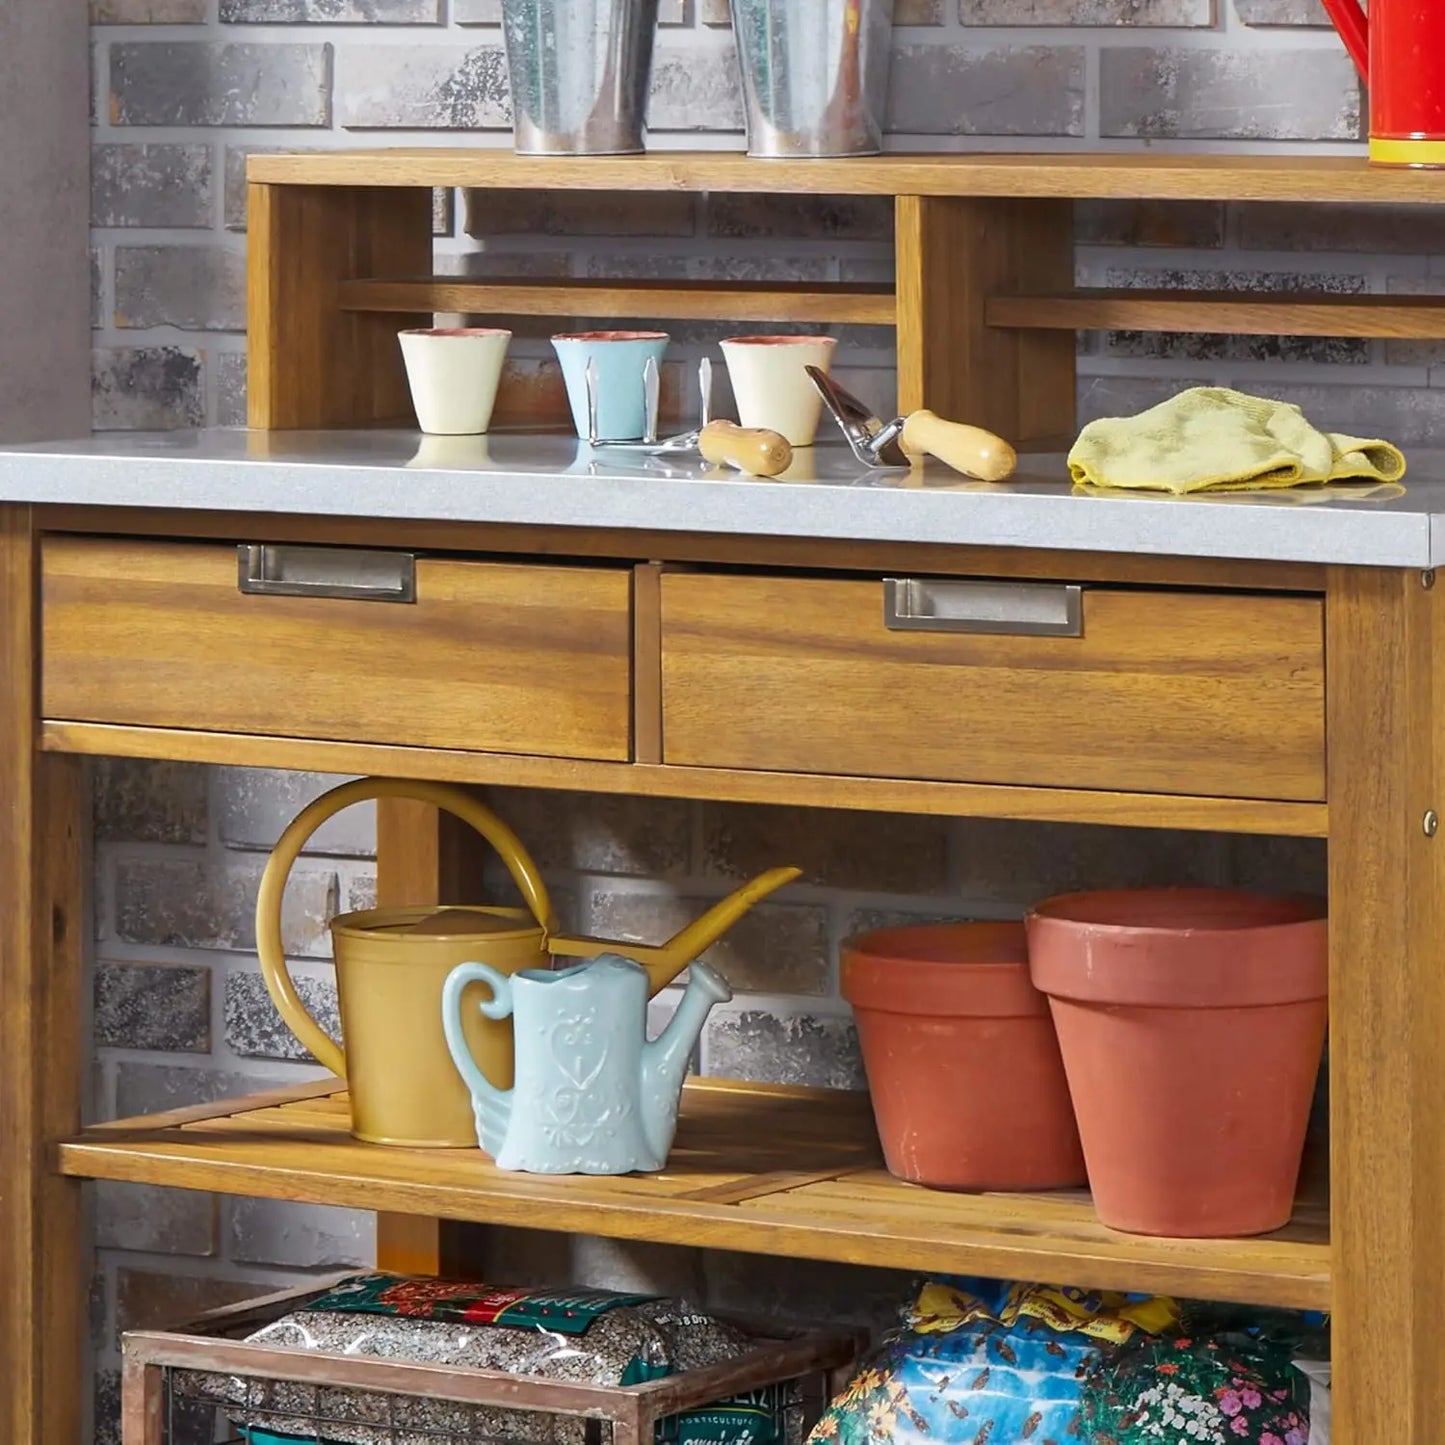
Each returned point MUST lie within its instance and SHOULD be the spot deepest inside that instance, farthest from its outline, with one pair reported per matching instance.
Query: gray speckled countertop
(556, 481)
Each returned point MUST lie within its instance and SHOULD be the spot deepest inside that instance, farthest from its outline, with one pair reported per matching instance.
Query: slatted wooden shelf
(1236, 313)
(860, 304)
(1085, 175)
(759, 1168)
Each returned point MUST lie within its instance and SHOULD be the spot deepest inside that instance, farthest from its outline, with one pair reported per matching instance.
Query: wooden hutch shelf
(759, 1168)
(983, 304)
(841, 302)
(1235, 313)
(1125, 175)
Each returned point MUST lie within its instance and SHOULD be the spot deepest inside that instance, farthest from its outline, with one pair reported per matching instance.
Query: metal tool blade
(873, 443)
(651, 399)
(590, 377)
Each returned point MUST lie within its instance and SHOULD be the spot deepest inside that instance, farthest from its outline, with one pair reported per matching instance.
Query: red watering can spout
(1350, 21)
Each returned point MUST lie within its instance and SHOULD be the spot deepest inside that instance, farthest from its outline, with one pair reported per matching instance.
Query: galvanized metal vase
(815, 74)
(580, 74)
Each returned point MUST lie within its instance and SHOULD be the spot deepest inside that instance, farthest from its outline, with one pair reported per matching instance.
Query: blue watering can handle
(499, 1006)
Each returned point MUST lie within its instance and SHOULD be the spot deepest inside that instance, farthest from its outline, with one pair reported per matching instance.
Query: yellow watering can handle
(269, 944)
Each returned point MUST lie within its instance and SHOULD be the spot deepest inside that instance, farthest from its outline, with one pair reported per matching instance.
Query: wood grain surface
(424, 856)
(1165, 692)
(1131, 175)
(647, 662)
(859, 303)
(822, 1196)
(209, 1346)
(732, 785)
(1386, 638)
(311, 364)
(1233, 313)
(44, 922)
(954, 253)
(531, 543)
(491, 656)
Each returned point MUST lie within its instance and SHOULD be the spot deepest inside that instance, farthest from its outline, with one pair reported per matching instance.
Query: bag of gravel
(580, 1335)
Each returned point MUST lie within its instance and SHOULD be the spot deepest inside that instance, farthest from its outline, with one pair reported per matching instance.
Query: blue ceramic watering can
(592, 1095)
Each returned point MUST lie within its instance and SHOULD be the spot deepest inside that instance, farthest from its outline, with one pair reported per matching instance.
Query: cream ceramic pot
(454, 376)
(772, 388)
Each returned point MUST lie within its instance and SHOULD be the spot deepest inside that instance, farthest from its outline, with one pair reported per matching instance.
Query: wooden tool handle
(967, 449)
(750, 449)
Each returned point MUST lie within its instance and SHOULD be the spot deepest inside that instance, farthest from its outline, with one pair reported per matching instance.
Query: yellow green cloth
(1211, 439)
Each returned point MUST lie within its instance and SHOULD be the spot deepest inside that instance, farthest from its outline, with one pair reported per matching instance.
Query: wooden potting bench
(1290, 683)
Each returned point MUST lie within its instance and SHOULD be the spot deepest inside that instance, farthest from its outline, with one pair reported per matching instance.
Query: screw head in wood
(1427, 580)
(1430, 822)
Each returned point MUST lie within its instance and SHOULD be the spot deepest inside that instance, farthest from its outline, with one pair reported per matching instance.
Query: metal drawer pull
(1027, 609)
(365, 576)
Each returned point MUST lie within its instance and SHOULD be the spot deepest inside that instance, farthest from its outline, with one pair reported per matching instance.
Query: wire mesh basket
(203, 1384)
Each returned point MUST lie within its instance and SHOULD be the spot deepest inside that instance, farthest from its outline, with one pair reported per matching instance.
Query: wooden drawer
(1211, 694)
(487, 657)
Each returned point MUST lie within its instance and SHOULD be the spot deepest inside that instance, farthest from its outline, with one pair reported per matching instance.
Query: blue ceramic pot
(619, 357)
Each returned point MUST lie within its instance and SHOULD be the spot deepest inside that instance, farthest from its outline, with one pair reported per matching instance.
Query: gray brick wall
(184, 89)
(180, 1016)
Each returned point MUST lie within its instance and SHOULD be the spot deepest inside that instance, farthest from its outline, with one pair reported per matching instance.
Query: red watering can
(1400, 51)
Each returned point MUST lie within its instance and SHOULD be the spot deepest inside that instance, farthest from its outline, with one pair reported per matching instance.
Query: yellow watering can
(392, 963)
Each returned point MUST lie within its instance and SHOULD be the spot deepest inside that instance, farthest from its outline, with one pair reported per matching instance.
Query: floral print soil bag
(980, 1362)
(1226, 1379)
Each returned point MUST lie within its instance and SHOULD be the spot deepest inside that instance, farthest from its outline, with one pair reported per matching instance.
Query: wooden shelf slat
(657, 780)
(860, 304)
(760, 1168)
(1125, 175)
(1238, 313)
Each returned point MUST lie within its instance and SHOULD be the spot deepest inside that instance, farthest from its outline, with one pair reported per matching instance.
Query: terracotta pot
(968, 1088)
(1191, 1022)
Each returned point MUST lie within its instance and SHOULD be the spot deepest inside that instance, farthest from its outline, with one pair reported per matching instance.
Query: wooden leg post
(142, 1404)
(423, 856)
(44, 1257)
(311, 363)
(1386, 648)
(953, 254)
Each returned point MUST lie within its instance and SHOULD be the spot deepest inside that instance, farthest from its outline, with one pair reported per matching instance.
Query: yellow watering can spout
(665, 961)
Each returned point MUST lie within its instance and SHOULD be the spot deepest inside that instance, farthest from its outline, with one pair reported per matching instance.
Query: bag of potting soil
(1227, 1378)
(580, 1335)
(759, 1417)
(982, 1360)
(1317, 1372)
